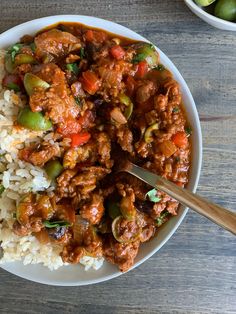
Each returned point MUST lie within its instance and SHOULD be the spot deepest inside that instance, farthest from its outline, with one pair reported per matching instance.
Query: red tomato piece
(117, 52)
(142, 69)
(79, 139)
(180, 139)
(95, 36)
(90, 82)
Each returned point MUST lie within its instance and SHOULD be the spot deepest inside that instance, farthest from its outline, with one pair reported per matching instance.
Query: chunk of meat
(125, 138)
(57, 101)
(64, 189)
(93, 210)
(39, 156)
(56, 42)
(72, 253)
(104, 149)
(145, 91)
(79, 155)
(121, 254)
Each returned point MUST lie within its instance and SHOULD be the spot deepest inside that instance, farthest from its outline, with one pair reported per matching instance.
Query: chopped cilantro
(54, 224)
(160, 220)
(160, 67)
(188, 130)
(82, 53)
(175, 109)
(139, 57)
(73, 67)
(152, 195)
(13, 86)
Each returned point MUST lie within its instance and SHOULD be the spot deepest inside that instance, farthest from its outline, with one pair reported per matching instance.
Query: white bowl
(75, 275)
(210, 19)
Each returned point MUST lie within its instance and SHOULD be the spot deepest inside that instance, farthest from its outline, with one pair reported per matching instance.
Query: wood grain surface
(195, 272)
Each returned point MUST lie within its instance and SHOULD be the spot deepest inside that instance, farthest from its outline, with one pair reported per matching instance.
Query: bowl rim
(201, 11)
(49, 20)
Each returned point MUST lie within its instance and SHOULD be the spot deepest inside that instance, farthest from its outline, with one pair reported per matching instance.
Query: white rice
(19, 177)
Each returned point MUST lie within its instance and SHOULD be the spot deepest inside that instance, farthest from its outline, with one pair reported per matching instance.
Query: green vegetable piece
(32, 81)
(160, 220)
(53, 169)
(226, 10)
(175, 109)
(204, 3)
(160, 67)
(54, 224)
(33, 46)
(33, 120)
(152, 195)
(115, 227)
(128, 111)
(78, 100)
(124, 99)
(147, 52)
(2, 189)
(82, 53)
(148, 133)
(9, 66)
(13, 86)
(13, 50)
(73, 67)
(23, 58)
(113, 210)
(188, 130)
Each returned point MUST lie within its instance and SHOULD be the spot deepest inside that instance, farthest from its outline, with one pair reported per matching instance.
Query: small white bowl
(210, 19)
(74, 275)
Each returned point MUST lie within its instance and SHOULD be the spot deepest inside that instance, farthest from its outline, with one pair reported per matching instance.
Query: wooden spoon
(219, 215)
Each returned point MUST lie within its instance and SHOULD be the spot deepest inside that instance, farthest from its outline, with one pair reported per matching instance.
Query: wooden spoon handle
(221, 216)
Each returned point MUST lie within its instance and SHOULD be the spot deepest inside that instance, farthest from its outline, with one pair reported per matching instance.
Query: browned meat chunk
(56, 42)
(145, 91)
(125, 138)
(93, 210)
(57, 101)
(121, 254)
(41, 155)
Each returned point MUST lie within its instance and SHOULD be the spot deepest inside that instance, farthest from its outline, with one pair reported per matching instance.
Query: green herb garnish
(82, 53)
(188, 130)
(160, 220)
(14, 215)
(54, 224)
(13, 51)
(33, 46)
(13, 86)
(73, 67)
(160, 67)
(175, 109)
(152, 195)
(78, 100)
(139, 57)
(2, 189)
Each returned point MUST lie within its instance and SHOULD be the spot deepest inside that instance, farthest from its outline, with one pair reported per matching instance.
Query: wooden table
(195, 272)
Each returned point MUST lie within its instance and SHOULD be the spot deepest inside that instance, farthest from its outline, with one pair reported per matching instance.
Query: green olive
(204, 3)
(226, 10)
(124, 237)
(148, 133)
(53, 169)
(23, 58)
(147, 52)
(9, 66)
(32, 81)
(113, 209)
(33, 120)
